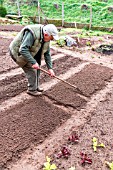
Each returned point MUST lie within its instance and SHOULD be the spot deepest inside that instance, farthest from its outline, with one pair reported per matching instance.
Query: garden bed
(38, 127)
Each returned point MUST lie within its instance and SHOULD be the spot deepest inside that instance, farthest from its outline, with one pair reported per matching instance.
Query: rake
(59, 79)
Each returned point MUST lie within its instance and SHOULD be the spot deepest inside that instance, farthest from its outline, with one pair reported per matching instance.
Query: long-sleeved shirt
(27, 43)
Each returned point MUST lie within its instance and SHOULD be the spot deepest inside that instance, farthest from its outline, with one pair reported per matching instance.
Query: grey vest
(16, 43)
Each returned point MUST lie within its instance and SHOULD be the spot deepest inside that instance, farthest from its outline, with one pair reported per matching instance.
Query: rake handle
(59, 78)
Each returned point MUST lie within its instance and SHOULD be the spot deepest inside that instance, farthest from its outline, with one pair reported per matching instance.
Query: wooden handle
(59, 78)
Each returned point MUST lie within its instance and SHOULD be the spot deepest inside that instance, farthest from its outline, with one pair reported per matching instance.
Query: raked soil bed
(32, 128)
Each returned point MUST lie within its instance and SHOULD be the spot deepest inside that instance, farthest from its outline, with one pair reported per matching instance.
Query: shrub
(3, 11)
(1, 2)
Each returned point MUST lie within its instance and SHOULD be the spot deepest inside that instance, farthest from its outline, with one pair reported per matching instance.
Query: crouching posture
(27, 49)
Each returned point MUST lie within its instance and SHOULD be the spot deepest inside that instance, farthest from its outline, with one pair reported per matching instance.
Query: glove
(51, 72)
(36, 66)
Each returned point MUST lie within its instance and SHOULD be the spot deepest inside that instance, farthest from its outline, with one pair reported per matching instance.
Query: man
(27, 49)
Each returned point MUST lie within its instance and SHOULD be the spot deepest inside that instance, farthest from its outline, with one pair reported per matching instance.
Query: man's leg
(31, 75)
(38, 78)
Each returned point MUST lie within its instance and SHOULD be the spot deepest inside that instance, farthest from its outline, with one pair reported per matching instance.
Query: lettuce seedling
(61, 42)
(110, 165)
(95, 144)
(48, 165)
(64, 152)
(85, 159)
(73, 138)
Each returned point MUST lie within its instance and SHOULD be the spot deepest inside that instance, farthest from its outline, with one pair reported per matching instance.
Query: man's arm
(47, 57)
(48, 61)
(27, 43)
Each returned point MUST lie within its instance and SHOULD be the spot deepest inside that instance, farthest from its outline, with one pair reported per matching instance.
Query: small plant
(3, 11)
(48, 165)
(88, 43)
(92, 56)
(85, 159)
(64, 152)
(100, 39)
(73, 138)
(61, 42)
(95, 144)
(110, 165)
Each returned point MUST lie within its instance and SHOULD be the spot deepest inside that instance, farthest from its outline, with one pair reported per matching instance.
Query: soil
(32, 128)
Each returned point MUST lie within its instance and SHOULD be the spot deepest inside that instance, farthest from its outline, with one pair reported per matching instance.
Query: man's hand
(51, 72)
(36, 66)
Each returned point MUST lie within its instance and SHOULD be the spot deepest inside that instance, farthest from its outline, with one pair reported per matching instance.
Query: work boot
(40, 89)
(34, 92)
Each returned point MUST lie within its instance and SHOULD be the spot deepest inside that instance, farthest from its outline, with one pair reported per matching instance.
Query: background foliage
(73, 11)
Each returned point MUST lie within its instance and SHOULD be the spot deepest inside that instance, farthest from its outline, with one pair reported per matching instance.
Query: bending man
(27, 49)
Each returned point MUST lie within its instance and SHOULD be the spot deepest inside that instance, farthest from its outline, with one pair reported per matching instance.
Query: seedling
(85, 159)
(48, 165)
(110, 165)
(88, 43)
(95, 144)
(61, 42)
(92, 56)
(73, 138)
(64, 152)
(100, 39)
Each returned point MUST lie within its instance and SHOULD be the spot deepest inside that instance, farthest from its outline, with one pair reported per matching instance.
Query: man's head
(50, 32)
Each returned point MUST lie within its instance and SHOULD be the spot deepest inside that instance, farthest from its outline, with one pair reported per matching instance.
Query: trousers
(33, 77)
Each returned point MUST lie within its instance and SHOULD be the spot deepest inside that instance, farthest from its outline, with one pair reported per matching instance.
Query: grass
(82, 33)
(72, 10)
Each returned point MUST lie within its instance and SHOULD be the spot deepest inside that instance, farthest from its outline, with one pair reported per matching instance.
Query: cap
(51, 30)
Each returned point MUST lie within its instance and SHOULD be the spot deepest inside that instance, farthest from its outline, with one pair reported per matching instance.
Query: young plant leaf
(64, 152)
(85, 159)
(110, 165)
(101, 145)
(48, 159)
(73, 138)
(52, 167)
(48, 165)
(95, 144)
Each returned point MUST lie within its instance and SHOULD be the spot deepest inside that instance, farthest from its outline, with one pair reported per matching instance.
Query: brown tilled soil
(46, 122)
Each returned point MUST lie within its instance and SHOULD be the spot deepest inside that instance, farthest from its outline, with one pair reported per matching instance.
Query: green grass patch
(101, 16)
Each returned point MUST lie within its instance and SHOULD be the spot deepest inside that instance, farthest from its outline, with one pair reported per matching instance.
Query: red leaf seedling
(85, 159)
(64, 152)
(73, 138)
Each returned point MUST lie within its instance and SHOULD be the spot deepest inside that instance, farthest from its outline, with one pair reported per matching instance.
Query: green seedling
(92, 56)
(61, 42)
(100, 39)
(95, 144)
(110, 165)
(88, 43)
(48, 165)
